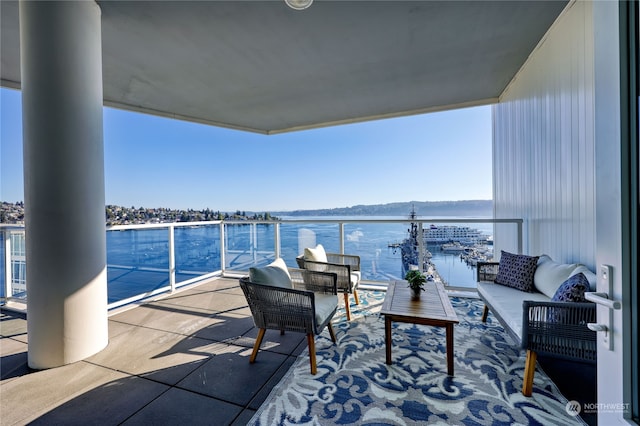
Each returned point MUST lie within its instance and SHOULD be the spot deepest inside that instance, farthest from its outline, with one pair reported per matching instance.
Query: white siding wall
(543, 145)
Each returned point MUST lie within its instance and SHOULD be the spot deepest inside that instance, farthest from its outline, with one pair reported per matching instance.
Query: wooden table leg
(387, 338)
(449, 328)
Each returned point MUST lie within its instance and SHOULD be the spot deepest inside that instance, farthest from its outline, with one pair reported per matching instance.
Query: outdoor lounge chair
(288, 299)
(345, 266)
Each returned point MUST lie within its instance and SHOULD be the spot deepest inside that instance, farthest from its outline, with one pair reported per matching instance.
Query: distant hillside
(466, 208)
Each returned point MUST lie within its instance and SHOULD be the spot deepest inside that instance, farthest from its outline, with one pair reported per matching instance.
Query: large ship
(470, 243)
(409, 250)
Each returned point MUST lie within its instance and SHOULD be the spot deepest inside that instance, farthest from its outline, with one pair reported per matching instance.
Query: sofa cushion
(550, 275)
(506, 303)
(317, 254)
(516, 271)
(275, 274)
(573, 289)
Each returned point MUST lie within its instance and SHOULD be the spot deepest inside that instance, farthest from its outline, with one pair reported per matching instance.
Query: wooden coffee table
(433, 308)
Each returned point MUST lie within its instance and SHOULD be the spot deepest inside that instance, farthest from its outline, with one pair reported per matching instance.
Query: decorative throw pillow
(517, 270)
(573, 289)
(317, 254)
(275, 274)
(550, 275)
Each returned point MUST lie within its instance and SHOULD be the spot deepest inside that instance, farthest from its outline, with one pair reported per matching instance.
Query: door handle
(606, 307)
(597, 327)
(603, 299)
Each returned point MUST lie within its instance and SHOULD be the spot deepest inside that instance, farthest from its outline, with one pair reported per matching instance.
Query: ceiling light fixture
(298, 4)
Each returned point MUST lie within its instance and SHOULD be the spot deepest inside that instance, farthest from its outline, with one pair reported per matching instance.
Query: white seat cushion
(325, 305)
(507, 302)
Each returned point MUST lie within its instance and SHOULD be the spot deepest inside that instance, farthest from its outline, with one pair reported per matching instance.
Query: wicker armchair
(347, 269)
(307, 308)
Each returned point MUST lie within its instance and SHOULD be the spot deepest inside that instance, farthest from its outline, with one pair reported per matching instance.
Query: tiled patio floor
(183, 359)
(180, 360)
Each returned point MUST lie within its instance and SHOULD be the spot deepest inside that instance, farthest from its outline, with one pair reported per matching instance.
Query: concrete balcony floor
(180, 359)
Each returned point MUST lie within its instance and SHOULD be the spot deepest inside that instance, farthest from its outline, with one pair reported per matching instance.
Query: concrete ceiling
(263, 67)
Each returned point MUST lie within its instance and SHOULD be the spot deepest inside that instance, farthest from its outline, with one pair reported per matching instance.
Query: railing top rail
(406, 220)
(161, 225)
(12, 226)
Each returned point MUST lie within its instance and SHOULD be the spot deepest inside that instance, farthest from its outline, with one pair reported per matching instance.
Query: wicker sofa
(534, 320)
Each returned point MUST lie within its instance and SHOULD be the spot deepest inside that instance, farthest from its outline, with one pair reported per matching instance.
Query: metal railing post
(253, 241)
(276, 240)
(172, 259)
(420, 248)
(341, 226)
(519, 236)
(7, 263)
(223, 261)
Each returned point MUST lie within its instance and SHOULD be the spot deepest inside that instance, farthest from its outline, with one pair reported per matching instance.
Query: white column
(63, 181)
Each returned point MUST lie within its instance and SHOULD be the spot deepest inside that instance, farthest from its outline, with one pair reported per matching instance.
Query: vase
(415, 294)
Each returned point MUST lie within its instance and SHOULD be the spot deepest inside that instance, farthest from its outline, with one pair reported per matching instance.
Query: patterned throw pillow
(573, 289)
(517, 270)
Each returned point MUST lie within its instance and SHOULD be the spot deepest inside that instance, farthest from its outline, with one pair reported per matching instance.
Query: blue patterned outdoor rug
(355, 386)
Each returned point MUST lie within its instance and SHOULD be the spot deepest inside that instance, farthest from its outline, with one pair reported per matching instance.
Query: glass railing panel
(377, 244)
(3, 275)
(295, 236)
(248, 244)
(454, 248)
(137, 262)
(265, 237)
(18, 262)
(13, 264)
(197, 251)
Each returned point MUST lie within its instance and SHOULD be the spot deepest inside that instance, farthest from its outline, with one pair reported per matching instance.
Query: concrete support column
(61, 64)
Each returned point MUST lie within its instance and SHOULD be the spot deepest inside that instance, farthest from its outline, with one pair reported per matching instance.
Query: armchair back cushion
(275, 274)
(317, 254)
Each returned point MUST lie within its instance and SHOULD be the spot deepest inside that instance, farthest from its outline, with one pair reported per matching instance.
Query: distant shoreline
(466, 208)
(13, 213)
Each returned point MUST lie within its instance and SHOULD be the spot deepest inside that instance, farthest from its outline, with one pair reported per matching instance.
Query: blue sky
(158, 162)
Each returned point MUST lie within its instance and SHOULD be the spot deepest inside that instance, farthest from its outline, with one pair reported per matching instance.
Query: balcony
(180, 332)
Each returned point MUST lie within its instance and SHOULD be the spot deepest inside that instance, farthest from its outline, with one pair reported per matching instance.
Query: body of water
(138, 260)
